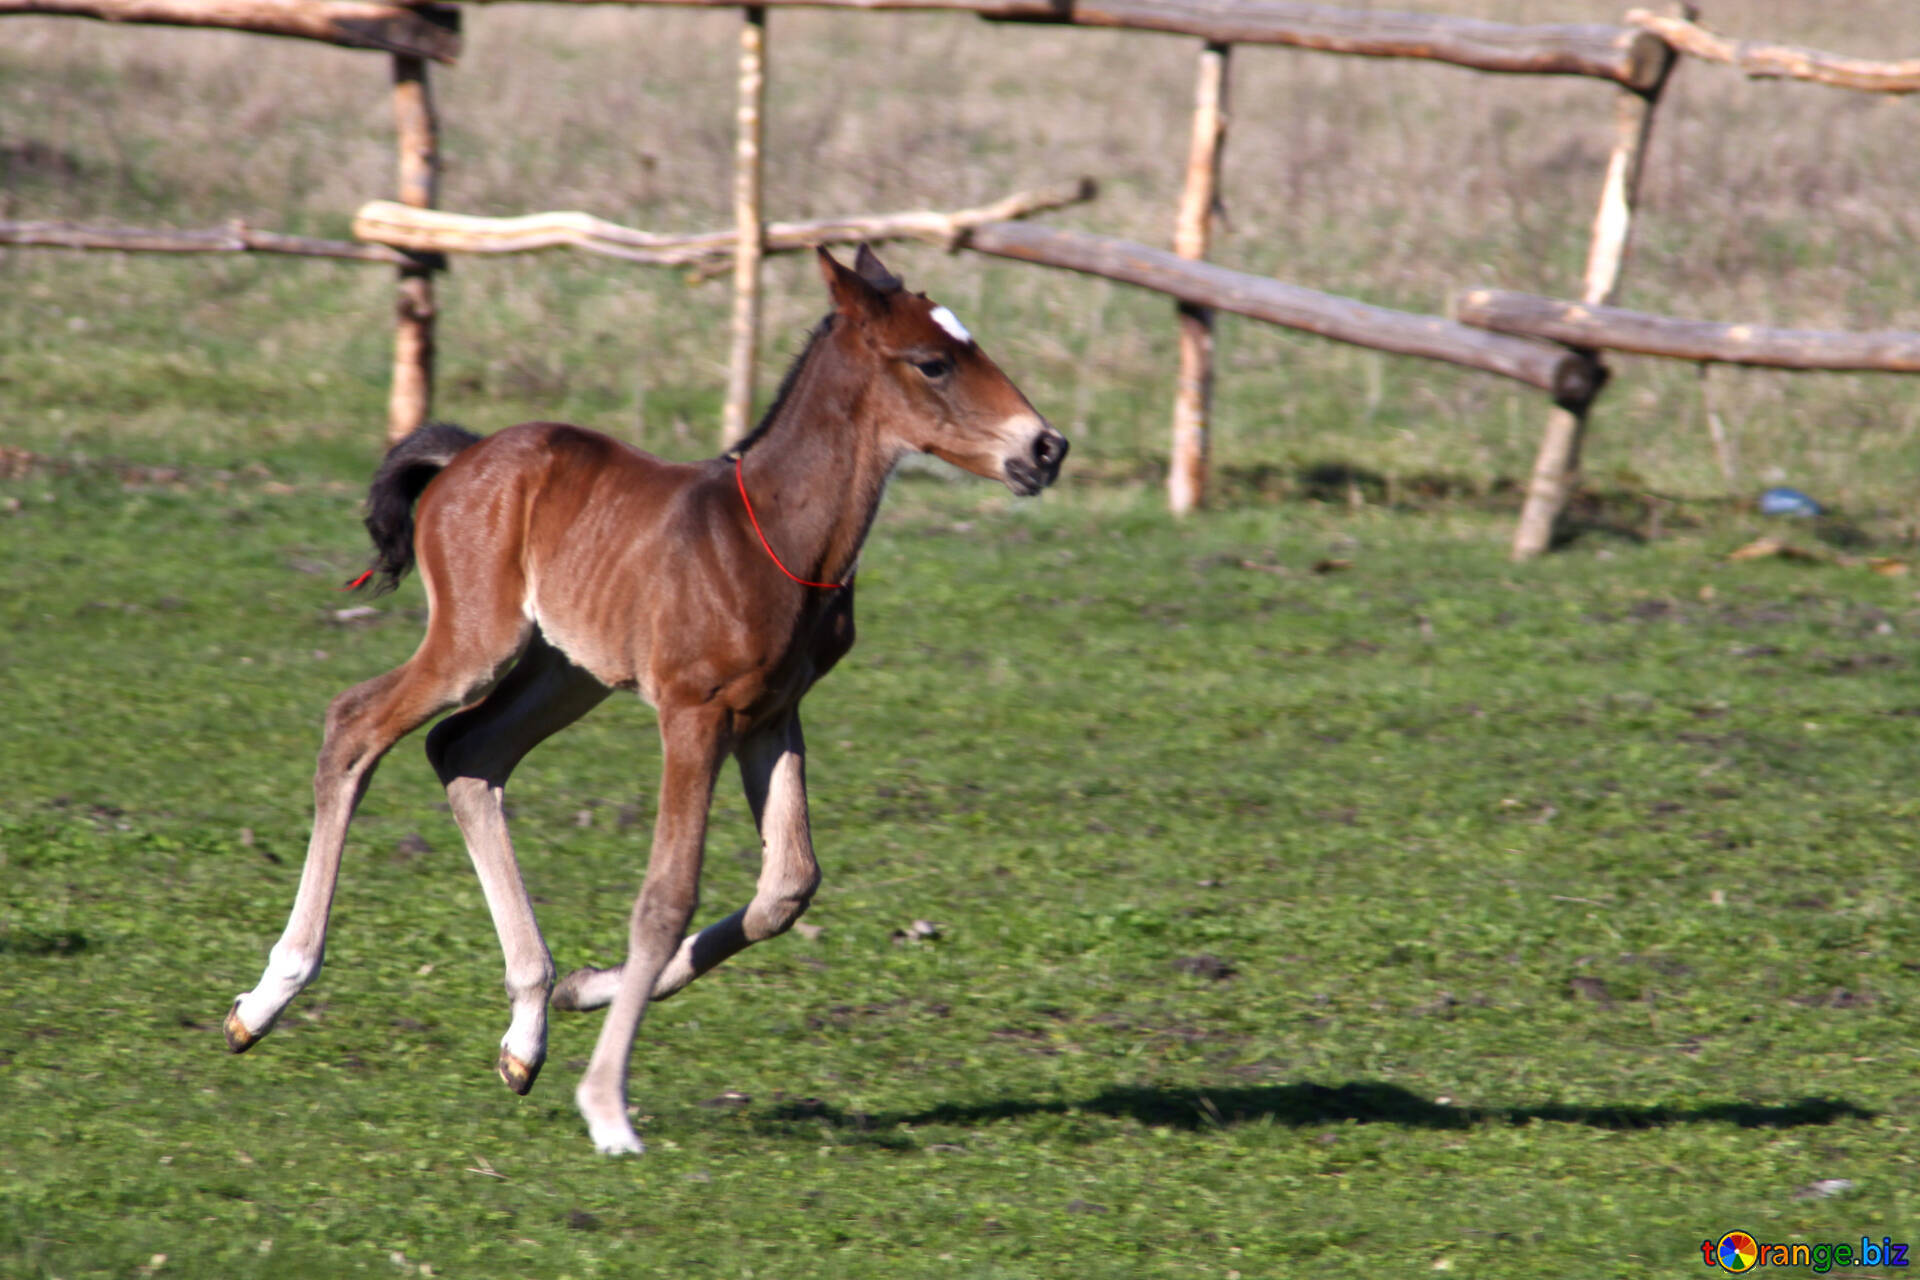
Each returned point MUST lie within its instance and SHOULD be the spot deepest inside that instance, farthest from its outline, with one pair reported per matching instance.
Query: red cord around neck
(740, 478)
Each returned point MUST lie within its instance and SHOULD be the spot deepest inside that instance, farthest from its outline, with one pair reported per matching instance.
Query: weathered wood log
(1622, 54)
(1619, 53)
(1762, 60)
(1619, 195)
(410, 396)
(736, 410)
(1193, 231)
(1568, 376)
(1551, 483)
(1556, 465)
(436, 231)
(233, 237)
(419, 30)
(1617, 329)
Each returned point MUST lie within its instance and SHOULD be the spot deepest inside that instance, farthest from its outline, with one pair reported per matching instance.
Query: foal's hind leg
(362, 724)
(773, 772)
(474, 753)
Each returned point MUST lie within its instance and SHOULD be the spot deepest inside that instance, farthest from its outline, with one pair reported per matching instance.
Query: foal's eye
(933, 369)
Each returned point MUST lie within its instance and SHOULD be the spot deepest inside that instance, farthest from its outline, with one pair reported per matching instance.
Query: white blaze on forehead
(951, 323)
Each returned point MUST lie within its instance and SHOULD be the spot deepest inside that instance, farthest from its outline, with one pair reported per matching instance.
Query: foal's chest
(819, 642)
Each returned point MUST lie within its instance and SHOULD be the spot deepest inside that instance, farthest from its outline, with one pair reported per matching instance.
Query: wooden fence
(1552, 345)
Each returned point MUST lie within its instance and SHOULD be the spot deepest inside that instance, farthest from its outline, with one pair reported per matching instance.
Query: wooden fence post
(1193, 394)
(1723, 450)
(1556, 467)
(736, 415)
(411, 397)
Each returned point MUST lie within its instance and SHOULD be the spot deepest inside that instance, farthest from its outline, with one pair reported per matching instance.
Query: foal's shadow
(1308, 1104)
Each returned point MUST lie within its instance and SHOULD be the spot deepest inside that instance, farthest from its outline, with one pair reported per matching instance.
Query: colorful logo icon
(1737, 1251)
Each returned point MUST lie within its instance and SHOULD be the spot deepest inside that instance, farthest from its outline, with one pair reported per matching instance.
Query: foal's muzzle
(1028, 475)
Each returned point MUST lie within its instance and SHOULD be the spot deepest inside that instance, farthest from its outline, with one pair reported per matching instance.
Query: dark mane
(814, 335)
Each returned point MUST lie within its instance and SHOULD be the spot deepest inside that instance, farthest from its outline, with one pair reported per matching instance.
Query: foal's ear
(854, 296)
(874, 271)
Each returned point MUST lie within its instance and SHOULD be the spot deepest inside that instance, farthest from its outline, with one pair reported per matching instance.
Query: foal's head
(934, 389)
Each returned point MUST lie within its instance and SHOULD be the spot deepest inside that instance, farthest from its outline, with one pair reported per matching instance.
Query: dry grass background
(1397, 182)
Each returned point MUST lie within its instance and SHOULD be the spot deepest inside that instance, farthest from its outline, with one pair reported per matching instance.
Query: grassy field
(1313, 892)
(1415, 914)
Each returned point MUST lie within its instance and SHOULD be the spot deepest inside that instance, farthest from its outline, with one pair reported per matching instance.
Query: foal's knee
(345, 743)
(533, 980)
(360, 725)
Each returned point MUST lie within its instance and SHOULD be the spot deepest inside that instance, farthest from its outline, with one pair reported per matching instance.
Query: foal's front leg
(773, 772)
(693, 741)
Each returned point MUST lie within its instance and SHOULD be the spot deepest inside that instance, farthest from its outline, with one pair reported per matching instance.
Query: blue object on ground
(1788, 502)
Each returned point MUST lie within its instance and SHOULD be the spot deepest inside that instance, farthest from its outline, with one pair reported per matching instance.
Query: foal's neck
(816, 468)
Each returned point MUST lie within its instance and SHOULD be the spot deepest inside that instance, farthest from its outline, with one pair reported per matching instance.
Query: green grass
(1564, 911)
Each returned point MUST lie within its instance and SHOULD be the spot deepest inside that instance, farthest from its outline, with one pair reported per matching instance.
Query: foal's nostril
(1049, 448)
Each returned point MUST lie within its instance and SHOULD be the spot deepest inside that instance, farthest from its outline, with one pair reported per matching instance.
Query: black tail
(396, 486)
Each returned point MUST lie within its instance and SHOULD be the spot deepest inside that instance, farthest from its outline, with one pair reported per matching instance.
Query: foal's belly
(756, 688)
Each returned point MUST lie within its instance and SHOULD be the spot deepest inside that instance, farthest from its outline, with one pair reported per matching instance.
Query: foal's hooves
(518, 1075)
(622, 1143)
(239, 1039)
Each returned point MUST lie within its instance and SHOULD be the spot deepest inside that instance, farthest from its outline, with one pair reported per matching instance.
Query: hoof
(618, 1142)
(239, 1039)
(518, 1075)
(606, 1120)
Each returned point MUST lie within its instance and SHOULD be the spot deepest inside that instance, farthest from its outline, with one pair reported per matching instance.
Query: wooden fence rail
(1617, 329)
(418, 30)
(1619, 53)
(401, 235)
(1568, 376)
(1760, 59)
(234, 237)
(439, 231)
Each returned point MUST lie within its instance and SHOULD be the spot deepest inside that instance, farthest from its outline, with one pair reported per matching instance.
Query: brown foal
(560, 565)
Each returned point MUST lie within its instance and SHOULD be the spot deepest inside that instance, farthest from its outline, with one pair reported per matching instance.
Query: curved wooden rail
(435, 230)
(1763, 59)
